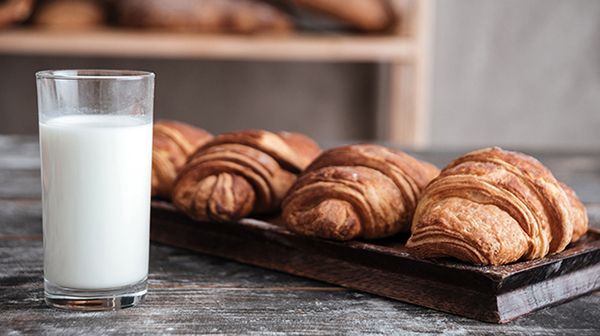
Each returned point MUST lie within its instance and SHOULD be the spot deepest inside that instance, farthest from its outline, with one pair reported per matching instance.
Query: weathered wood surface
(20, 167)
(194, 293)
(384, 267)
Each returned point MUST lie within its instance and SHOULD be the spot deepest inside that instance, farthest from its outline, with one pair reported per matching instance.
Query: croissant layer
(241, 173)
(172, 143)
(495, 207)
(362, 190)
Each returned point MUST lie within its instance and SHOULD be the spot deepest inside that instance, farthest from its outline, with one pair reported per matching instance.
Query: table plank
(20, 152)
(20, 167)
(22, 217)
(259, 311)
(197, 293)
(193, 293)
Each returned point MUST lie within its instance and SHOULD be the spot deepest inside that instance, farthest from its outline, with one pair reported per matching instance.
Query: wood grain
(291, 312)
(410, 82)
(407, 50)
(493, 293)
(196, 293)
(135, 43)
(20, 167)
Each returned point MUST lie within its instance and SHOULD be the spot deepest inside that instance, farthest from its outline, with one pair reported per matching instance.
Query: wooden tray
(384, 267)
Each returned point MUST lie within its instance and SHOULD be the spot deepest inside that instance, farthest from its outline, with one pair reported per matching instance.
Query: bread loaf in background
(70, 14)
(15, 11)
(207, 16)
(366, 15)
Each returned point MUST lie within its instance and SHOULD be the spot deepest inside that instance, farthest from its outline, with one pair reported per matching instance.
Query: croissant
(495, 207)
(172, 143)
(362, 190)
(242, 173)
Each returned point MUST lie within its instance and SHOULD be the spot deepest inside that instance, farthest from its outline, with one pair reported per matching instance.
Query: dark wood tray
(384, 267)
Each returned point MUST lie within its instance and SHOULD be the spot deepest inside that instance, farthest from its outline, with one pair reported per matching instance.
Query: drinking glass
(96, 152)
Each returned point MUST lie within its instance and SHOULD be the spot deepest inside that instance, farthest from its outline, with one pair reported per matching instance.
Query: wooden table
(192, 293)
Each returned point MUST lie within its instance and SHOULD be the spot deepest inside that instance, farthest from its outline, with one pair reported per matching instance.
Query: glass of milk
(96, 152)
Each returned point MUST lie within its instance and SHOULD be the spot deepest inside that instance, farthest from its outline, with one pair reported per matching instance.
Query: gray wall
(513, 73)
(325, 101)
(517, 73)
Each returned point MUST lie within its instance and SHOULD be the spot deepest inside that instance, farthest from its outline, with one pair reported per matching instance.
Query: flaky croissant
(495, 207)
(173, 142)
(362, 190)
(242, 173)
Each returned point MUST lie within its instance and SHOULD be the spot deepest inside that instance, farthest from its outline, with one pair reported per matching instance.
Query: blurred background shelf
(466, 79)
(401, 58)
(136, 43)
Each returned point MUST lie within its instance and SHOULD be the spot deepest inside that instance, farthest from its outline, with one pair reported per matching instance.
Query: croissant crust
(241, 173)
(495, 207)
(362, 190)
(172, 143)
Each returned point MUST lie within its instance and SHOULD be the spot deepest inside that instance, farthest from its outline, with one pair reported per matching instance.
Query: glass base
(95, 300)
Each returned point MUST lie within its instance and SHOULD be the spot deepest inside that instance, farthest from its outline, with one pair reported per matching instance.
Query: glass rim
(94, 74)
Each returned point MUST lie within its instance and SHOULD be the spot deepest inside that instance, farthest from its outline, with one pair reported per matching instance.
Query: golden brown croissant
(495, 207)
(173, 142)
(241, 173)
(362, 190)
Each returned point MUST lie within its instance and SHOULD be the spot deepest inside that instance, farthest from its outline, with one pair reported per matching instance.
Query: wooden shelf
(134, 43)
(402, 116)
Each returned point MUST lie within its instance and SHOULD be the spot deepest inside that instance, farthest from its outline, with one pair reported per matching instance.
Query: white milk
(96, 200)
